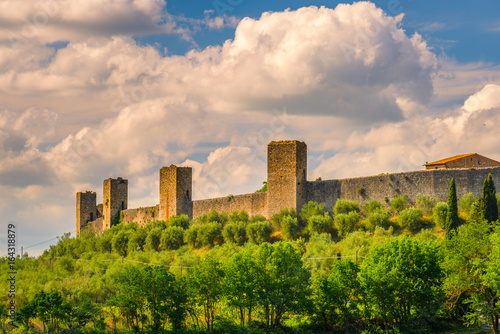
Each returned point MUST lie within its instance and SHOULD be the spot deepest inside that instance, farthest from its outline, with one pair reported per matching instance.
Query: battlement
(287, 187)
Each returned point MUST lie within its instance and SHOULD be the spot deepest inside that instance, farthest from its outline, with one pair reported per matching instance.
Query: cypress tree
(490, 200)
(452, 221)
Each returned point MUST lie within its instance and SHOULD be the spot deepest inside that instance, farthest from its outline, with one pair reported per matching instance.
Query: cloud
(230, 169)
(407, 145)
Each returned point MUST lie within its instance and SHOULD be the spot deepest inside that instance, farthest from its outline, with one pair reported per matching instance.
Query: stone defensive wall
(384, 187)
(254, 204)
(140, 215)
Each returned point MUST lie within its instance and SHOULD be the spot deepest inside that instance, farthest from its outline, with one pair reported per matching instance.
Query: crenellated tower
(286, 175)
(115, 199)
(176, 188)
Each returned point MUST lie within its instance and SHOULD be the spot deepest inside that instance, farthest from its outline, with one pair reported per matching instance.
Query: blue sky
(103, 88)
(467, 31)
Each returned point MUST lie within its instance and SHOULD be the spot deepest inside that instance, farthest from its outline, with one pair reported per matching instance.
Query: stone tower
(115, 198)
(176, 188)
(286, 175)
(85, 209)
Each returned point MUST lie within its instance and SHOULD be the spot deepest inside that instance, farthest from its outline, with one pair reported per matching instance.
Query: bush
(137, 240)
(379, 218)
(213, 216)
(424, 203)
(211, 234)
(235, 233)
(399, 203)
(372, 206)
(120, 243)
(345, 222)
(320, 224)
(311, 209)
(153, 239)
(277, 218)
(466, 201)
(191, 236)
(258, 218)
(410, 218)
(172, 238)
(439, 214)
(289, 228)
(179, 221)
(259, 232)
(241, 216)
(344, 206)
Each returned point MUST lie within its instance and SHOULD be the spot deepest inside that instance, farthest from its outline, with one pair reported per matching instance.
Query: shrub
(344, 206)
(241, 216)
(379, 218)
(179, 221)
(372, 206)
(361, 191)
(410, 218)
(424, 203)
(439, 214)
(172, 238)
(210, 234)
(311, 209)
(137, 240)
(120, 243)
(277, 218)
(399, 203)
(477, 210)
(191, 236)
(235, 233)
(153, 239)
(258, 218)
(289, 228)
(259, 232)
(213, 216)
(345, 222)
(466, 201)
(320, 224)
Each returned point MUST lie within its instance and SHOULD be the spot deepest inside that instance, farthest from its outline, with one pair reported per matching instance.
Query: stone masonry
(115, 200)
(287, 187)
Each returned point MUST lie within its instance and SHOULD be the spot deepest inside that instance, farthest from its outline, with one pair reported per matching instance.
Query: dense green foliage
(335, 270)
(490, 200)
(452, 221)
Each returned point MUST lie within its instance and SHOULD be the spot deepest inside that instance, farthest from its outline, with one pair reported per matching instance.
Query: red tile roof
(456, 157)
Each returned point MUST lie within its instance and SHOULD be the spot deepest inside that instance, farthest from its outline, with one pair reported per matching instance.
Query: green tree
(235, 233)
(401, 280)
(336, 298)
(490, 200)
(287, 281)
(136, 240)
(371, 206)
(130, 297)
(345, 222)
(344, 206)
(439, 214)
(424, 203)
(399, 203)
(206, 286)
(320, 224)
(466, 201)
(277, 218)
(191, 236)
(211, 234)
(452, 221)
(290, 228)
(120, 243)
(153, 240)
(410, 218)
(165, 298)
(172, 238)
(179, 221)
(471, 263)
(259, 232)
(477, 210)
(311, 209)
(243, 280)
(263, 189)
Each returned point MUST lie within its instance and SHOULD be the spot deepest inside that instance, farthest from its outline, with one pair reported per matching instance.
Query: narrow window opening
(123, 205)
(91, 216)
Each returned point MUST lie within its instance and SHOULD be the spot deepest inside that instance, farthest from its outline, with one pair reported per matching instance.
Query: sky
(96, 89)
